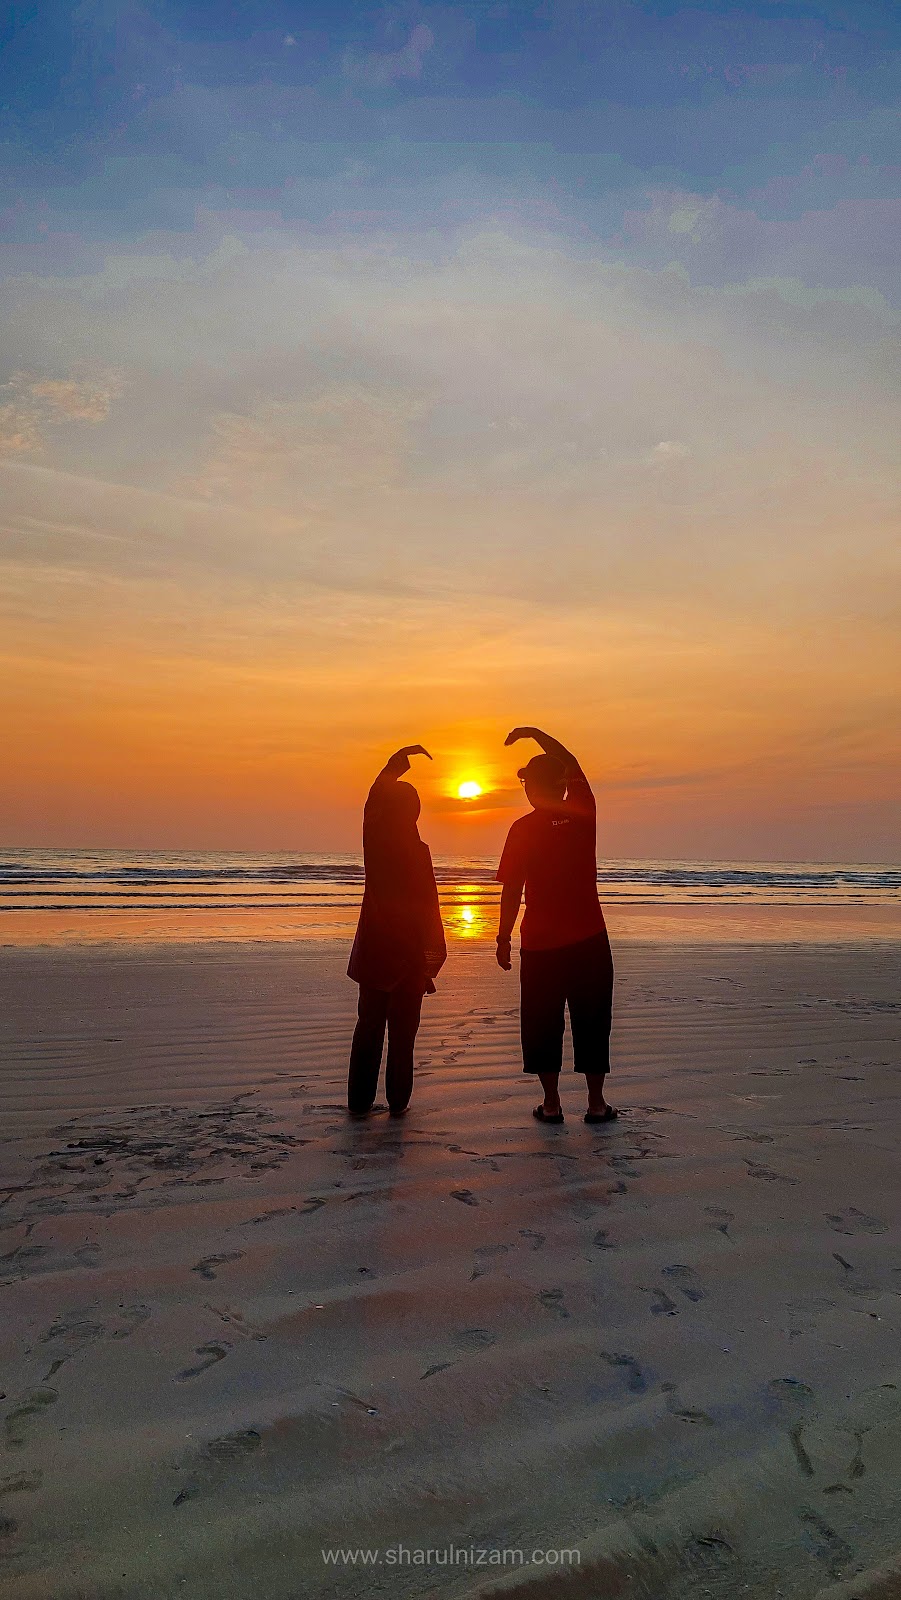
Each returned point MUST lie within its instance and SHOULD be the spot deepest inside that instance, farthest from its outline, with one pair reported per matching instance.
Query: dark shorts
(579, 976)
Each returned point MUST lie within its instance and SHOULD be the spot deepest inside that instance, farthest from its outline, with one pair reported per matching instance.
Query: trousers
(397, 1011)
(574, 976)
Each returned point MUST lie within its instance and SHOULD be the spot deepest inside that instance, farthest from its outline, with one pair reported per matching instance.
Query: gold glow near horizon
(470, 790)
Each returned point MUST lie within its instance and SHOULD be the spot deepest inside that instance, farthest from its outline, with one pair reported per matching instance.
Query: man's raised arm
(579, 794)
(550, 746)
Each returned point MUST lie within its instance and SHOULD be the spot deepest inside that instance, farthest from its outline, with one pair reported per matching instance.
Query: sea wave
(97, 880)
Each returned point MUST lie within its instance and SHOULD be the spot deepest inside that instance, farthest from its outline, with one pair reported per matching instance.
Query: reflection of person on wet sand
(565, 957)
(399, 946)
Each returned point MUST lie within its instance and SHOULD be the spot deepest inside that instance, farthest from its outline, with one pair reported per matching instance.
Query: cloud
(467, 412)
(309, 454)
(19, 430)
(668, 450)
(380, 68)
(41, 402)
(849, 245)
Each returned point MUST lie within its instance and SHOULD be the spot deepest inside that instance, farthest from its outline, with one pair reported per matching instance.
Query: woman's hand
(524, 733)
(504, 958)
(400, 761)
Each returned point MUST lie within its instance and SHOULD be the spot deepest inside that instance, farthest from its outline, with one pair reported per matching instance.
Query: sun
(469, 790)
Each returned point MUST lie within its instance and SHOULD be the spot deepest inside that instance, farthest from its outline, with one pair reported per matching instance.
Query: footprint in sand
(722, 1219)
(206, 1266)
(235, 1320)
(552, 1300)
(851, 1283)
(278, 1211)
(686, 1281)
(662, 1305)
(801, 1456)
(536, 1240)
(354, 1399)
(854, 1221)
(791, 1389)
(32, 1405)
(70, 1333)
(466, 1196)
(231, 1446)
(212, 1354)
(20, 1261)
(440, 1366)
(700, 1419)
(856, 1468)
(474, 1338)
(127, 1320)
(766, 1174)
(601, 1240)
(614, 1358)
(712, 1548)
(823, 1542)
(485, 1253)
(621, 1163)
(21, 1482)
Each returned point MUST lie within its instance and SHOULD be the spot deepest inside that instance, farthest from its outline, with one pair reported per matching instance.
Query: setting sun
(469, 790)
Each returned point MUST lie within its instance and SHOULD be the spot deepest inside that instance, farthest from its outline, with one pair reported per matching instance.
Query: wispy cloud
(37, 403)
(668, 451)
(377, 69)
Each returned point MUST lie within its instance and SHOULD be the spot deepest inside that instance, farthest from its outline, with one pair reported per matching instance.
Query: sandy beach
(239, 1332)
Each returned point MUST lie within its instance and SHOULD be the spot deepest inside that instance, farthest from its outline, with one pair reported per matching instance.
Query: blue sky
(461, 326)
(120, 116)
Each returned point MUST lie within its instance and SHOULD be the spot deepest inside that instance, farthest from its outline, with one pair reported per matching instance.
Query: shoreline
(710, 924)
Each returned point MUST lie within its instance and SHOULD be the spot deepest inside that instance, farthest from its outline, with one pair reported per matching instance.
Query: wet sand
(238, 1330)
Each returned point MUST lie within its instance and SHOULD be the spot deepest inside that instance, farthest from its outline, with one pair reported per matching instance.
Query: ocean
(86, 896)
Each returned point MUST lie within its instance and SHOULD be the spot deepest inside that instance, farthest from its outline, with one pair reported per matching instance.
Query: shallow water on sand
(96, 896)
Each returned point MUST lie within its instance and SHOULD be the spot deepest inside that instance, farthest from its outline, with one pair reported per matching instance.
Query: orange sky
(142, 710)
(665, 533)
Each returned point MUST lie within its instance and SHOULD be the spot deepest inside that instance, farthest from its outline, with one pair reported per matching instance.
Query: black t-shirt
(553, 853)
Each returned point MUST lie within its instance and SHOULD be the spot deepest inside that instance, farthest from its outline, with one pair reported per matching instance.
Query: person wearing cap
(399, 946)
(565, 958)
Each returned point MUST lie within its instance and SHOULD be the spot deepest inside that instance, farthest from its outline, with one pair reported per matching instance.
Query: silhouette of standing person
(399, 945)
(565, 957)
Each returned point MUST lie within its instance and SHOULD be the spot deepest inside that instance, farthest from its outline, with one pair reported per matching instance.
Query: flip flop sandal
(540, 1115)
(609, 1114)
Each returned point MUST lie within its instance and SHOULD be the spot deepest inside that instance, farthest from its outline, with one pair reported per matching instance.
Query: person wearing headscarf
(399, 946)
